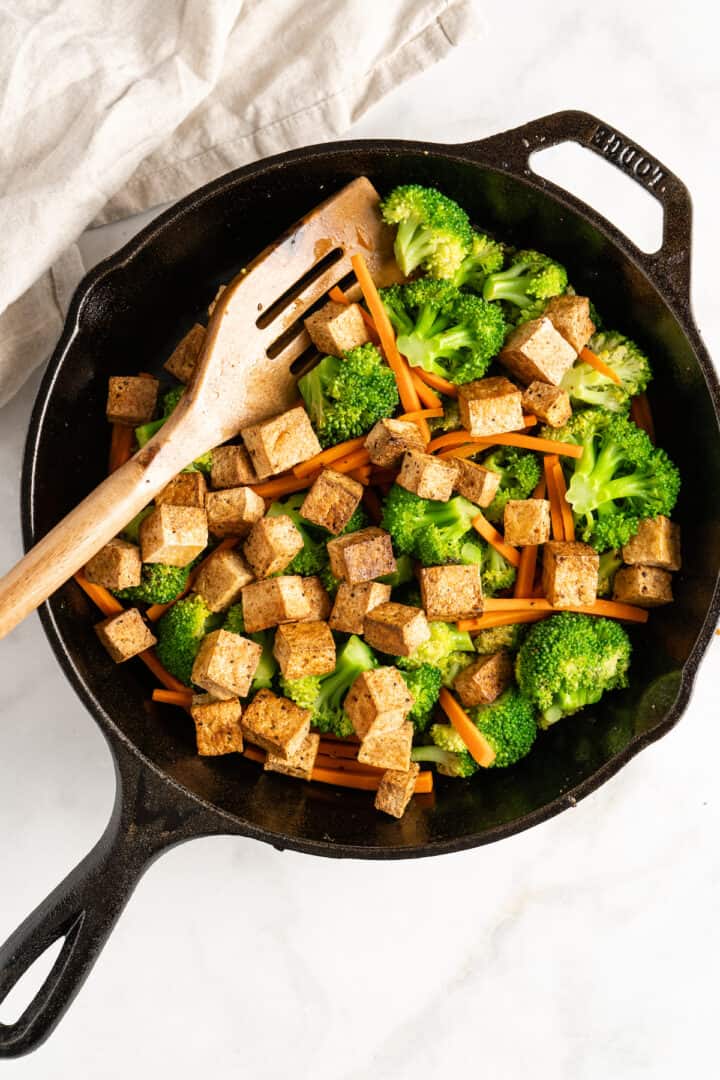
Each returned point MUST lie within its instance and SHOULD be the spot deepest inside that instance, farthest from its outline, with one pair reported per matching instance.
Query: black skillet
(125, 317)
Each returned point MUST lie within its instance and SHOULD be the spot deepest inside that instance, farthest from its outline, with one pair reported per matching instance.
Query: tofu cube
(300, 764)
(125, 635)
(231, 467)
(335, 328)
(570, 315)
(173, 535)
(116, 566)
(451, 592)
(276, 724)
(476, 483)
(274, 601)
(537, 351)
(279, 443)
(396, 628)
(396, 790)
(272, 543)
(185, 489)
(427, 476)
(645, 586)
(656, 543)
(388, 749)
(490, 406)
(352, 603)
(131, 399)
(551, 404)
(378, 701)
(182, 361)
(222, 578)
(570, 573)
(226, 664)
(389, 440)
(362, 555)
(318, 600)
(304, 648)
(332, 501)
(527, 521)
(485, 679)
(234, 511)
(217, 725)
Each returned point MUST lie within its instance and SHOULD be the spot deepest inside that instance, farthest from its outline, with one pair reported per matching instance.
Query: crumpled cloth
(109, 108)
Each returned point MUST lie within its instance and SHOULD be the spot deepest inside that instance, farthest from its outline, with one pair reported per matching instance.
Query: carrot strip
(161, 673)
(558, 528)
(589, 357)
(99, 595)
(336, 748)
(173, 697)
(462, 451)
(372, 505)
(642, 416)
(352, 461)
(283, 485)
(565, 508)
(325, 457)
(154, 612)
(121, 444)
(436, 382)
(427, 396)
(511, 438)
(501, 618)
(421, 413)
(477, 744)
(341, 778)
(528, 557)
(254, 754)
(338, 296)
(525, 610)
(529, 420)
(488, 532)
(362, 475)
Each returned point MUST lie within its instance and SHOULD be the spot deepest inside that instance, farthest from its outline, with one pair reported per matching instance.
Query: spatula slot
(298, 288)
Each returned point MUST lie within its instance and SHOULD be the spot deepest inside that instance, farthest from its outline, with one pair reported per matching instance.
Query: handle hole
(29, 983)
(610, 191)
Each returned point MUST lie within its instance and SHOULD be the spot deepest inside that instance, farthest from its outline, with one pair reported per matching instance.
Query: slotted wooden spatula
(243, 375)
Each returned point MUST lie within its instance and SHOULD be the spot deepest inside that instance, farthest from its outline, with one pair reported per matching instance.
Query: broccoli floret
(313, 558)
(508, 724)
(444, 331)
(588, 386)
(620, 478)
(626, 359)
(329, 582)
(448, 649)
(450, 419)
(403, 573)
(497, 573)
(145, 432)
(449, 753)
(434, 532)
(179, 632)
(159, 584)
(610, 563)
(234, 620)
(569, 661)
(496, 638)
(345, 397)
(486, 257)
(530, 277)
(424, 683)
(131, 531)
(520, 472)
(433, 231)
(358, 520)
(324, 694)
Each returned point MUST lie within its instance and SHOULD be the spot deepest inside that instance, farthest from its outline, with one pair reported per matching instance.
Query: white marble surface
(583, 949)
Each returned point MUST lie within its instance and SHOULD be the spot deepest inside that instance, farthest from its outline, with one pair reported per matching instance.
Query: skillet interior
(129, 321)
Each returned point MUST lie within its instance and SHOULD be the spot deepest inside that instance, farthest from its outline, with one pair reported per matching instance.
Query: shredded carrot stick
(530, 420)
(421, 413)
(337, 748)
(642, 416)
(254, 754)
(427, 396)
(477, 744)
(154, 612)
(99, 595)
(121, 444)
(462, 451)
(372, 505)
(326, 457)
(528, 557)
(556, 517)
(565, 508)
(488, 532)
(344, 778)
(174, 697)
(160, 672)
(283, 485)
(352, 461)
(500, 611)
(436, 382)
(511, 438)
(338, 296)
(589, 357)
(362, 475)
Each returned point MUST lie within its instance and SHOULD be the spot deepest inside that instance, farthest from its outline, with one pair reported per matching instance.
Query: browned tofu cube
(281, 442)
(352, 603)
(173, 534)
(233, 511)
(656, 543)
(362, 555)
(276, 724)
(388, 749)
(490, 406)
(116, 566)
(125, 635)
(185, 489)
(378, 701)
(184, 357)
(304, 648)
(131, 399)
(390, 440)
(527, 521)
(318, 600)
(551, 404)
(300, 764)
(335, 328)
(396, 628)
(536, 351)
(570, 315)
(217, 725)
(451, 592)
(485, 679)
(272, 543)
(222, 578)
(226, 664)
(396, 790)
(332, 501)
(274, 601)
(570, 573)
(427, 476)
(231, 467)
(476, 483)
(645, 586)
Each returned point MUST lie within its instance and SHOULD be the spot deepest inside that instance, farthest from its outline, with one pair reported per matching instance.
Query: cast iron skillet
(125, 317)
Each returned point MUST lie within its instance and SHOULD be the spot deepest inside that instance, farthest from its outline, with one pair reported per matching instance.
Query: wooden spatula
(243, 375)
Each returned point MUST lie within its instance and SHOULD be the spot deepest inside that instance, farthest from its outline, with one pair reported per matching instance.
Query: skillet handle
(84, 908)
(512, 151)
